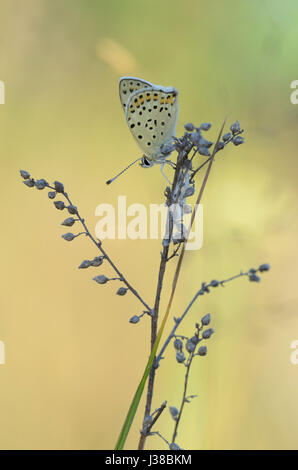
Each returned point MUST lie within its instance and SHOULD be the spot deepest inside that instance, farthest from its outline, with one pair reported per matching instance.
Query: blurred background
(73, 361)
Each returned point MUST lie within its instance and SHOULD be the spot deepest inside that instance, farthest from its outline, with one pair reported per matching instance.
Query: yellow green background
(72, 359)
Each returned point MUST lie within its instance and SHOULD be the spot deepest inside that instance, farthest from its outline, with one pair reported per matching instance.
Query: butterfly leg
(172, 164)
(164, 175)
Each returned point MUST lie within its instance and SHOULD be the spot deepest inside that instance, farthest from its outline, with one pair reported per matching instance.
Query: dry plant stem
(157, 415)
(212, 156)
(156, 433)
(106, 256)
(191, 356)
(179, 320)
(180, 160)
(177, 323)
(204, 289)
(162, 268)
(178, 268)
(175, 252)
(154, 321)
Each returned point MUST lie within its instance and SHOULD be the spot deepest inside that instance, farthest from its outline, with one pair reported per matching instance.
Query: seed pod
(121, 291)
(101, 279)
(68, 222)
(235, 127)
(178, 345)
(40, 184)
(202, 351)
(264, 267)
(72, 209)
(196, 137)
(59, 205)
(180, 357)
(189, 127)
(195, 340)
(205, 143)
(134, 319)
(68, 236)
(205, 126)
(203, 151)
(190, 346)
(84, 264)
(59, 187)
(207, 333)
(25, 174)
(206, 319)
(226, 137)
(97, 261)
(254, 278)
(29, 183)
(174, 412)
(238, 140)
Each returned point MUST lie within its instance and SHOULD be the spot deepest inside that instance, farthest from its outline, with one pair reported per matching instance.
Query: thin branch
(208, 159)
(189, 361)
(182, 156)
(162, 268)
(157, 415)
(156, 433)
(99, 246)
(175, 252)
(205, 289)
(88, 234)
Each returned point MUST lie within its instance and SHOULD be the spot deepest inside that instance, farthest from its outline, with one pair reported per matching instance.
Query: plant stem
(162, 268)
(184, 396)
(180, 160)
(182, 156)
(106, 256)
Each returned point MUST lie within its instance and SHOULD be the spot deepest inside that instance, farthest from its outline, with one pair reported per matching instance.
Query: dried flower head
(101, 279)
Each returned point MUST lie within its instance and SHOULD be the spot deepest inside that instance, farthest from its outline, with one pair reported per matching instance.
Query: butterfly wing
(128, 85)
(151, 115)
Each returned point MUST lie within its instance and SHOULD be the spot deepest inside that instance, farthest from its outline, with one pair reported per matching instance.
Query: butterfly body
(151, 114)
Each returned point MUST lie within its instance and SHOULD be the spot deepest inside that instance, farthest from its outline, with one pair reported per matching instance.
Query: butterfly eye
(146, 162)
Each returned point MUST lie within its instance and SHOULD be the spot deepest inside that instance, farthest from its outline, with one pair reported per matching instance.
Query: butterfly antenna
(111, 180)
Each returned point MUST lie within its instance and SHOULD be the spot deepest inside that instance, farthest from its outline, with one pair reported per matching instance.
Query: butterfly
(151, 113)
